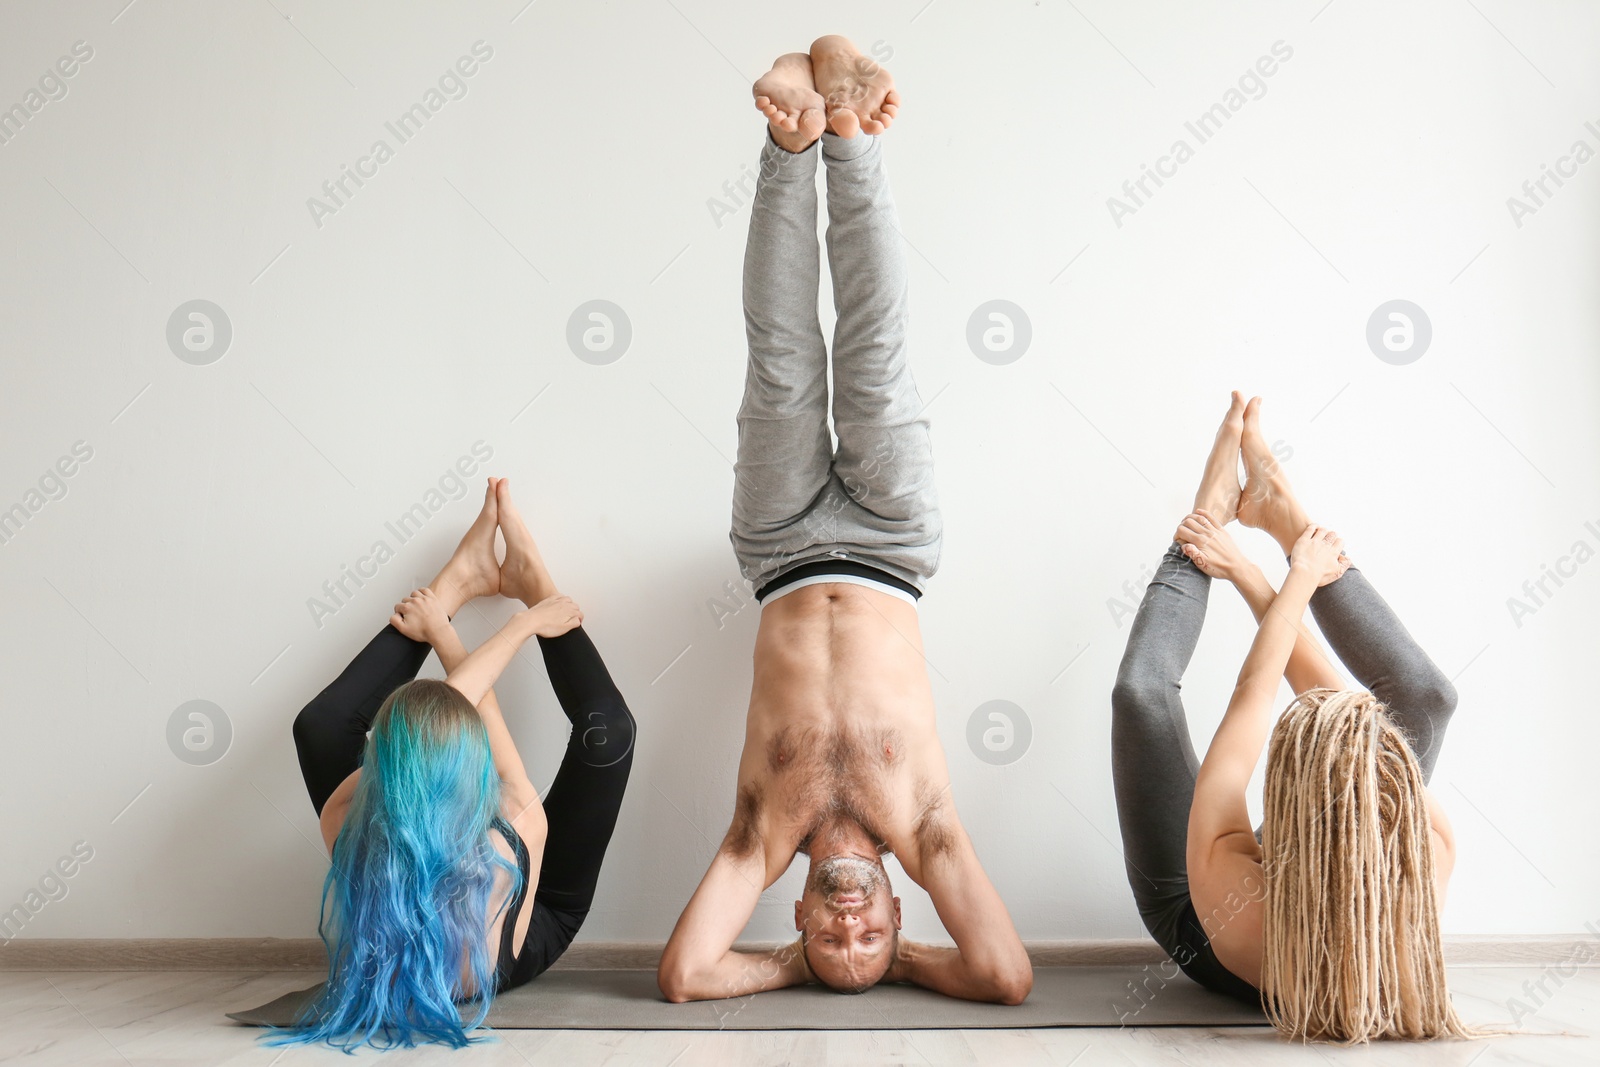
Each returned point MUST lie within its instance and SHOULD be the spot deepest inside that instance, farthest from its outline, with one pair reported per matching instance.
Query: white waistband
(842, 579)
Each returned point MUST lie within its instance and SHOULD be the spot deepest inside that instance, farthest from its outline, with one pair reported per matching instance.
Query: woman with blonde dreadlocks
(1330, 921)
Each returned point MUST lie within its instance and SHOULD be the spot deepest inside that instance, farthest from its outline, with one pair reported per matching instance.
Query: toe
(845, 123)
(812, 122)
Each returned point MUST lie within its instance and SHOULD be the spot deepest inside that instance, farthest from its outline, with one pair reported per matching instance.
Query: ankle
(837, 149)
(451, 598)
(1287, 532)
(793, 144)
(453, 589)
(1223, 510)
(533, 592)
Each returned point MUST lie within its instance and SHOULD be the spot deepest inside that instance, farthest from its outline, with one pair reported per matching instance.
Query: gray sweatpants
(1153, 762)
(796, 498)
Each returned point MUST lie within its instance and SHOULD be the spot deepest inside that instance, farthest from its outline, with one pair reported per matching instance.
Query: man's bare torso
(841, 726)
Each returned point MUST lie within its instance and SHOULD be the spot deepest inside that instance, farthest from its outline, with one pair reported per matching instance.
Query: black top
(508, 932)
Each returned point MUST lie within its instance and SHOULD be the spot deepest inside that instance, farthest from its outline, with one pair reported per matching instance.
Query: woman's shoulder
(521, 811)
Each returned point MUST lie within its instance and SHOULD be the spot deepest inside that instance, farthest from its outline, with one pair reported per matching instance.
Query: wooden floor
(174, 1019)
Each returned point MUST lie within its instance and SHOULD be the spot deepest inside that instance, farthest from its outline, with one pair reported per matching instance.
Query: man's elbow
(673, 985)
(1015, 991)
(676, 980)
(674, 991)
(1012, 986)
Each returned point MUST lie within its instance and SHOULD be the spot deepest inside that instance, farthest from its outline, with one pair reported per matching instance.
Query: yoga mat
(629, 1000)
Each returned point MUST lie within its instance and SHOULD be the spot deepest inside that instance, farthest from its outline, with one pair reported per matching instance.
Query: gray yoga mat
(629, 1000)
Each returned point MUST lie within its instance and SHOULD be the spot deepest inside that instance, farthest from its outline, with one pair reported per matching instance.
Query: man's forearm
(757, 972)
(945, 970)
(739, 974)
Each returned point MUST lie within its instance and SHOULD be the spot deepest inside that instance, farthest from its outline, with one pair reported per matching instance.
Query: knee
(302, 727)
(310, 728)
(605, 731)
(1136, 692)
(1435, 697)
(782, 398)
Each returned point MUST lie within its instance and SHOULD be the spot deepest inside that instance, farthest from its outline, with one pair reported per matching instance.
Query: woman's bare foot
(1267, 503)
(523, 575)
(473, 570)
(1219, 490)
(420, 616)
(859, 94)
(788, 97)
(1209, 547)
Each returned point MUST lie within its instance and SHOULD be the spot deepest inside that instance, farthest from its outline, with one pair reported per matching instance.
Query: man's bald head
(849, 922)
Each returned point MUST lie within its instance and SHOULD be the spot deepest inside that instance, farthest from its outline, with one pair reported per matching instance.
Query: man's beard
(846, 874)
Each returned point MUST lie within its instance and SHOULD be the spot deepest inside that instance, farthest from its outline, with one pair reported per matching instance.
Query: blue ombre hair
(407, 897)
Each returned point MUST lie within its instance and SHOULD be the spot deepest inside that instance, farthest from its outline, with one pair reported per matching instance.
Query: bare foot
(859, 94)
(523, 575)
(1219, 490)
(788, 97)
(1267, 503)
(473, 570)
(1209, 547)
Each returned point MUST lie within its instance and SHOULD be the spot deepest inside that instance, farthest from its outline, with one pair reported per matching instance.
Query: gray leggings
(796, 499)
(1153, 761)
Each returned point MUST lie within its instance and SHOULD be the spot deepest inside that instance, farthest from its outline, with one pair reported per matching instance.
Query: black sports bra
(508, 932)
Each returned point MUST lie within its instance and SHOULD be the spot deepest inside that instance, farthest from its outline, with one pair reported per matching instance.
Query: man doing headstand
(842, 759)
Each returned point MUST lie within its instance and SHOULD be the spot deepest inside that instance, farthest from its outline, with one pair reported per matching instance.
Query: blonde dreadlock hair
(1351, 925)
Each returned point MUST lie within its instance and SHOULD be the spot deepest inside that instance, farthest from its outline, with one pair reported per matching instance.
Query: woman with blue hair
(450, 881)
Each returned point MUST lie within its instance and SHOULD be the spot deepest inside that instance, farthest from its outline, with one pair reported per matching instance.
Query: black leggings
(1153, 762)
(581, 806)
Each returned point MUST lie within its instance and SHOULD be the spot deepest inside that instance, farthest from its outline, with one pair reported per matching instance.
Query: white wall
(370, 352)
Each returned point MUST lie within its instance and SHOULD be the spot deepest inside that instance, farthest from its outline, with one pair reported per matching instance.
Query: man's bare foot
(859, 94)
(788, 97)
(1209, 547)
(523, 575)
(1267, 502)
(473, 570)
(1219, 490)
